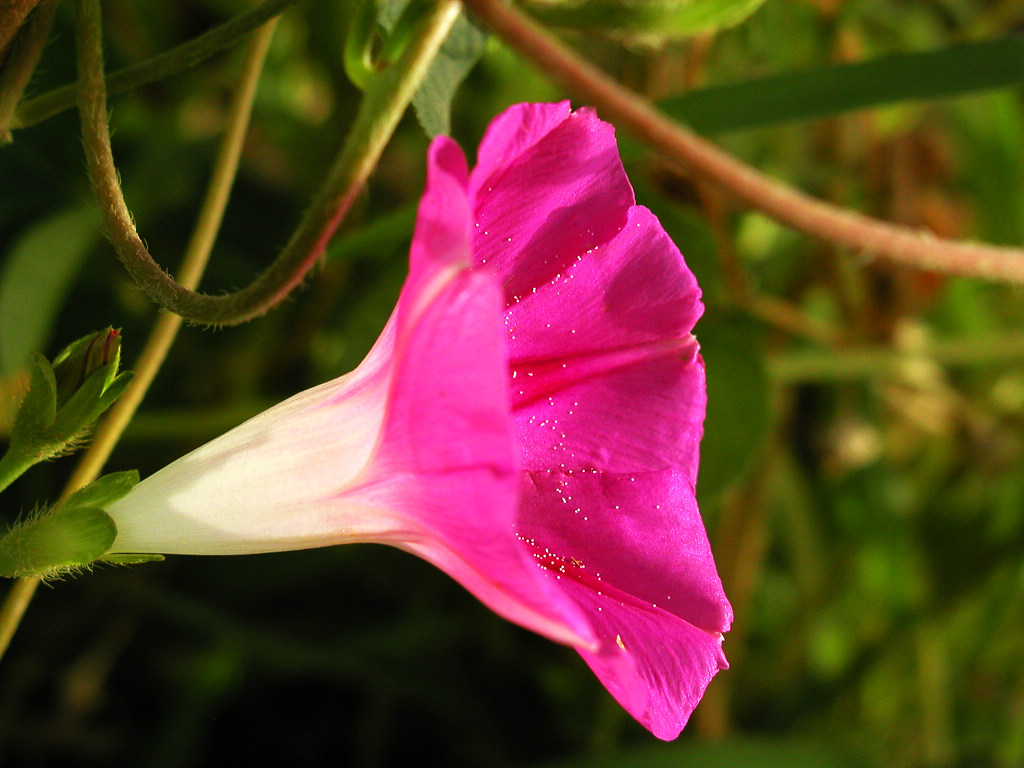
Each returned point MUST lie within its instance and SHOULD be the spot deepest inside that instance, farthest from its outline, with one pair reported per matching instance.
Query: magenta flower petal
(602, 302)
(444, 473)
(631, 549)
(608, 402)
(656, 665)
(529, 421)
(561, 411)
(549, 196)
(638, 532)
(446, 460)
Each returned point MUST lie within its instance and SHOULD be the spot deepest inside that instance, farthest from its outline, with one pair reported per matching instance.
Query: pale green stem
(862, 234)
(14, 607)
(167, 325)
(387, 96)
(163, 65)
(21, 62)
(872, 362)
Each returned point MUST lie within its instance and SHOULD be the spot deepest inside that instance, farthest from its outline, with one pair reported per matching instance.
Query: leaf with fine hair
(58, 542)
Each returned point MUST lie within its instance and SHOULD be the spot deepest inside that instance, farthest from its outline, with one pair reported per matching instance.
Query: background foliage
(861, 476)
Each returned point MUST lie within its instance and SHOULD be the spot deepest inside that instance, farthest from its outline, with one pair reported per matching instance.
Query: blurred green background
(861, 479)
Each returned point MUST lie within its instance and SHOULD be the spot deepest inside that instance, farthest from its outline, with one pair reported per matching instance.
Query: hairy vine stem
(860, 233)
(21, 60)
(387, 96)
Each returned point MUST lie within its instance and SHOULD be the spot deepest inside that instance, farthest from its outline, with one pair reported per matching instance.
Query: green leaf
(114, 390)
(647, 21)
(103, 491)
(35, 279)
(825, 91)
(738, 412)
(461, 51)
(39, 408)
(57, 542)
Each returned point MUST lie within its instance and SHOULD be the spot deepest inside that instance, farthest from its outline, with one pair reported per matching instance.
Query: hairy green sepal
(72, 535)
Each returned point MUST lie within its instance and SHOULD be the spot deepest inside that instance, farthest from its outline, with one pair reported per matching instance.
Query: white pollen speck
(618, 642)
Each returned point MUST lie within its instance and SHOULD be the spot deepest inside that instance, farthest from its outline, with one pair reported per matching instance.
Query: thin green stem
(842, 227)
(387, 96)
(167, 325)
(163, 65)
(21, 62)
(872, 362)
(14, 607)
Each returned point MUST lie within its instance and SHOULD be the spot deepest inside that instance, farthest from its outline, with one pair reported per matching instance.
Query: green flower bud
(80, 359)
(63, 400)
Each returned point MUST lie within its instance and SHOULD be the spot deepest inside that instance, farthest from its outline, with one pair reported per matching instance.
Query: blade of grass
(825, 91)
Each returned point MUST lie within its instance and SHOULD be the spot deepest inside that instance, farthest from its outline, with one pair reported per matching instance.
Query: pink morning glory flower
(529, 421)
